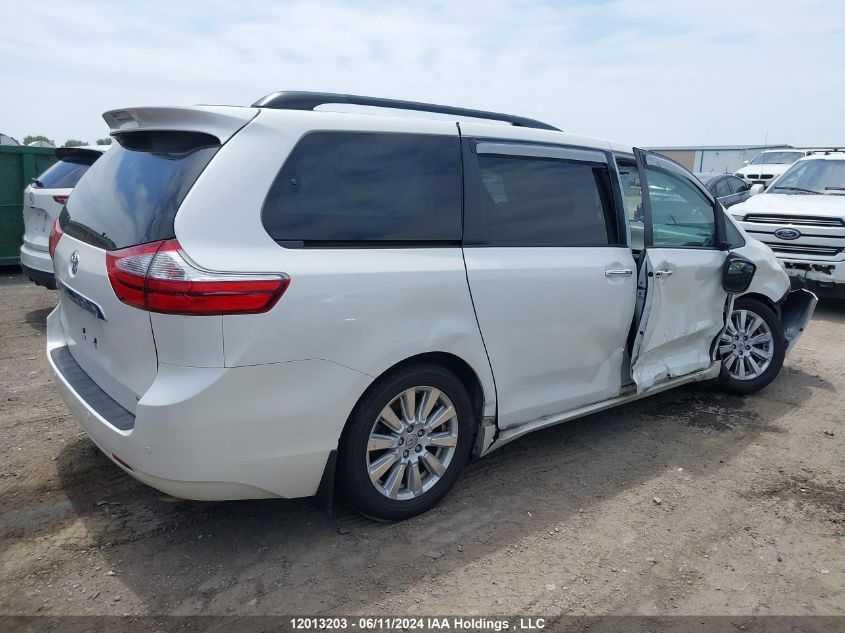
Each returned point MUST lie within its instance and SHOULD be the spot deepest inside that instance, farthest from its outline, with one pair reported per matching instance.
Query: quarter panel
(192, 341)
(366, 309)
(271, 427)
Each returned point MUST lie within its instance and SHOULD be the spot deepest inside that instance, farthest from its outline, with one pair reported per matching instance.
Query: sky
(643, 72)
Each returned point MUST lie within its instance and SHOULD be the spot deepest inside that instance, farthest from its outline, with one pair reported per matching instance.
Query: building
(721, 159)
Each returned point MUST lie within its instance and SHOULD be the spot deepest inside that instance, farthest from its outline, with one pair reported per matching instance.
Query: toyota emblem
(74, 262)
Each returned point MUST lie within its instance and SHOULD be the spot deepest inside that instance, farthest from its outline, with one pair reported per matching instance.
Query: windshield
(777, 158)
(813, 176)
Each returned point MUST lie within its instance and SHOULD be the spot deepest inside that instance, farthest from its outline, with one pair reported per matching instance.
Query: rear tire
(406, 443)
(752, 349)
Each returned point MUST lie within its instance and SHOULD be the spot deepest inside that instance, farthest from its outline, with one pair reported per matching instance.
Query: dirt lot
(750, 519)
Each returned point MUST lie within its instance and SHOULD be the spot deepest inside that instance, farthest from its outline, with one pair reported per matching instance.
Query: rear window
(66, 173)
(348, 187)
(130, 196)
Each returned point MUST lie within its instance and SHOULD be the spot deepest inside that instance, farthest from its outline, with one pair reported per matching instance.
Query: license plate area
(41, 222)
(37, 221)
(89, 306)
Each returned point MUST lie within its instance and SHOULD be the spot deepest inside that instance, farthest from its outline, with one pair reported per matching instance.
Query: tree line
(71, 142)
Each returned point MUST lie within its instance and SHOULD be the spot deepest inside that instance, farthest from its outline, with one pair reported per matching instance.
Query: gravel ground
(691, 502)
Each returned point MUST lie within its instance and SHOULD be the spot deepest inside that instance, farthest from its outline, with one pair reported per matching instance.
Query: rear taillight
(61, 199)
(158, 277)
(55, 236)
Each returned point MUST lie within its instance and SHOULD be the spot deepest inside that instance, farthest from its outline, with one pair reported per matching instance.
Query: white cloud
(646, 71)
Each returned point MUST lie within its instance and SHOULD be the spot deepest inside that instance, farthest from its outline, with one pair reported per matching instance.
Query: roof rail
(295, 100)
(827, 150)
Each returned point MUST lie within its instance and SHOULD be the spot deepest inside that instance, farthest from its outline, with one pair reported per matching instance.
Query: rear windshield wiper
(37, 183)
(799, 189)
(834, 188)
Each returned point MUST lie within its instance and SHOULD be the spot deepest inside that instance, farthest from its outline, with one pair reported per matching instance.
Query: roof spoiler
(219, 121)
(294, 100)
(67, 152)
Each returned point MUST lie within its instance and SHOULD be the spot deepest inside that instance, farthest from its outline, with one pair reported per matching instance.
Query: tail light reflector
(61, 199)
(159, 277)
(55, 235)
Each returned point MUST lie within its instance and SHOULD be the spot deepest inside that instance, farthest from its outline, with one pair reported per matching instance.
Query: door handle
(660, 274)
(622, 272)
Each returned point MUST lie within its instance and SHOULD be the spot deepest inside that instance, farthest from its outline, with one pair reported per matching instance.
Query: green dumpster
(19, 164)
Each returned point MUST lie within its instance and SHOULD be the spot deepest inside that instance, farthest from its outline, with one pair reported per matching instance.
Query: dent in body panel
(191, 341)
(683, 313)
(770, 280)
(366, 309)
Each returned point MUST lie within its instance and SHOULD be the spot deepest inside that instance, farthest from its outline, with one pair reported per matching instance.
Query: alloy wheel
(412, 442)
(747, 345)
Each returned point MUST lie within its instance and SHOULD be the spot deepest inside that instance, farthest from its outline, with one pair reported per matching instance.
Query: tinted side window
(721, 189)
(737, 185)
(367, 187)
(544, 202)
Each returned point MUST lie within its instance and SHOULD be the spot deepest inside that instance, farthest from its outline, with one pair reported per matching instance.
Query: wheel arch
(457, 365)
(764, 300)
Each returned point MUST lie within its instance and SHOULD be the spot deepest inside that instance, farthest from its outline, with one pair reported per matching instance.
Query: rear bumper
(219, 433)
(38, 267)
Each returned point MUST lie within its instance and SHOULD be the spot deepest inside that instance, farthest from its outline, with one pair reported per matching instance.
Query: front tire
(752, 348)
(406, 443)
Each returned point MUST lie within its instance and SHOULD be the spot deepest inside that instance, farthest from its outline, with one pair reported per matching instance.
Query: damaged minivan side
(378, 297)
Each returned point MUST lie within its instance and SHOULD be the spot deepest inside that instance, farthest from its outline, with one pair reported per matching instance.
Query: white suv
(263, 301)
(768, 165)
(42, 202)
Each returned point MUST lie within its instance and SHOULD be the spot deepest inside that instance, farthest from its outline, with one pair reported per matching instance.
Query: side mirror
(755, 189)
(737, 274)
(745, 162)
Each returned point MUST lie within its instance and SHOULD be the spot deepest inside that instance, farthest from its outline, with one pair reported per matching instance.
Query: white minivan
(269, 301)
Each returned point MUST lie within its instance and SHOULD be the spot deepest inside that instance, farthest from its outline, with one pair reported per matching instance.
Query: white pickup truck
(801, 217)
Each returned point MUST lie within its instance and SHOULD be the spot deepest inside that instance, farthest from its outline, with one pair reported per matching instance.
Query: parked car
(801, 217)
(727, 188)
(768, 165)
(377, 297)
(42, 202)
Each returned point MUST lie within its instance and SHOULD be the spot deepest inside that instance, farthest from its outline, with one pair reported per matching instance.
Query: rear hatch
(44, 198)
(128, 197)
